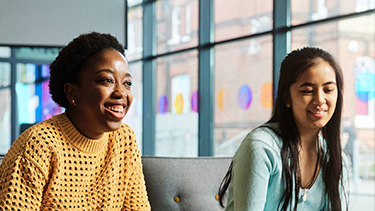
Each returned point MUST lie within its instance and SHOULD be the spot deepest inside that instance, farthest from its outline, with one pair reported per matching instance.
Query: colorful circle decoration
(365, 86)
(163, 104)
(220, 99)
(266, 95)
(244, 97)
(194, 101)
(179, 103)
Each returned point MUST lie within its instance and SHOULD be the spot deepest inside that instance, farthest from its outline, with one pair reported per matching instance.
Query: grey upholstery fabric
(195, 181)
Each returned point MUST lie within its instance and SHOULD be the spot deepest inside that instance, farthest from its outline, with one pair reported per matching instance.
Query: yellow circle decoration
(179, 103)
(266, 95)
(220, 99)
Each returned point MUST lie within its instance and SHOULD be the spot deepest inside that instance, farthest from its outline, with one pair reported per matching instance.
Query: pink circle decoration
(194, 101)
(244, 97)
(163, 104)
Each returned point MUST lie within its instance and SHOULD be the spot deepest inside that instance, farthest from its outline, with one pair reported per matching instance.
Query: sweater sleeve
(21, 180)
(252, 166)
(136, 196)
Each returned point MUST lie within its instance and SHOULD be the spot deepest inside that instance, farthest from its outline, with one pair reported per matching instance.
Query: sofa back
(188, 184)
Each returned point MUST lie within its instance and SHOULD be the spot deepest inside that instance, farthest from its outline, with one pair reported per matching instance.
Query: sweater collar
(78, 140)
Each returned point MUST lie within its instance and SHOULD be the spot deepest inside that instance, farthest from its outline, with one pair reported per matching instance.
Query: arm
(21, 185)
(136, 195)
(252, 167)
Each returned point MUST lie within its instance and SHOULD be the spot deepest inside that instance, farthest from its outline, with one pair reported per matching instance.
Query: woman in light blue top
(294, 161)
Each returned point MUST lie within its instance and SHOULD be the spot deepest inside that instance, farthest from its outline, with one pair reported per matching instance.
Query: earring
(288, 105)
(74, 102)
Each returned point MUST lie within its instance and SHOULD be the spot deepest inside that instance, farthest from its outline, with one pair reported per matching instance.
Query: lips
(116, 108)
(117, 111)
(318, 113)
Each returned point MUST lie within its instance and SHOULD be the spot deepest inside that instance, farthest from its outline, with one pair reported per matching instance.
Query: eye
(128, 83)
(328, 90)
(107, 80)
(306, 91)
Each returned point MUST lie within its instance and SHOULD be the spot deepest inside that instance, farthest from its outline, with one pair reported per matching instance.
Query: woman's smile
(117, 111)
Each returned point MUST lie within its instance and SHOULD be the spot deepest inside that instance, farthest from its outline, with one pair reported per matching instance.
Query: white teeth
(116, 108)
(317, 112)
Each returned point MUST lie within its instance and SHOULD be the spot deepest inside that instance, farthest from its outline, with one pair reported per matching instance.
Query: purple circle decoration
(244, 97)
(163, 104)
(194, 101)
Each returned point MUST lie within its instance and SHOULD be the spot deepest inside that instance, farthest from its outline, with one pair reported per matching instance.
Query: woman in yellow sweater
(85, 158)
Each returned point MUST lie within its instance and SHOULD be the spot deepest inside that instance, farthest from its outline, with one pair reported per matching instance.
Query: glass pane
(135, 34)
(4, 74)
(352, 43)
(5, 52)
(134, 116)
(311, 10)
(177, 117)
(4, 120)
(243, 91)
(238, 18)
(36, 53)
(176, 25)
(133, 2)
(27, 100)
(5, 107)
(33, 99)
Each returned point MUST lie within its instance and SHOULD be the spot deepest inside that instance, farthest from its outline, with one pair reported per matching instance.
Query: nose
(119, 91)
(319, 98)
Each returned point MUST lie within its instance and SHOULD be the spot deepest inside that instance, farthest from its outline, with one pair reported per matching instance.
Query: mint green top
(257, 182)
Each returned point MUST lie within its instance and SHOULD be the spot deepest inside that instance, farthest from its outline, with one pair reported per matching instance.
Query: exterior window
(177, 105)
(243, 91)
(176, 25)
(135, 48)
(5, 107)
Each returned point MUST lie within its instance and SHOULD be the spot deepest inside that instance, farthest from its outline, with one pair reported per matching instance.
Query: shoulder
(38, 135)
(125, 130)
(267, 135)
(125, 134)
(262, 141)
(36, 144)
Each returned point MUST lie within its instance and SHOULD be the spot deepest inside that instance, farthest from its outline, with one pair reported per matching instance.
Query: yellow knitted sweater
(51, 166)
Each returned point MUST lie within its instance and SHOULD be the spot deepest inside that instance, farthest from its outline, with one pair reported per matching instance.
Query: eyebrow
(311, 84)
(128, 74)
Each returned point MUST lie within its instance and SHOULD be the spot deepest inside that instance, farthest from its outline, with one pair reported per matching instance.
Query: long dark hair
(293, 65)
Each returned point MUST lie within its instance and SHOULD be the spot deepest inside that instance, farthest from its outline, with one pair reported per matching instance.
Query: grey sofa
(186, 184)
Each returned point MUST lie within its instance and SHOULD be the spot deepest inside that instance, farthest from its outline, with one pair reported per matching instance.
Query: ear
(287, 100)
(71, 93)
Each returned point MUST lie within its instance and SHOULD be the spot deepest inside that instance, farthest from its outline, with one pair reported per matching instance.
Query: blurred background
(204, 71)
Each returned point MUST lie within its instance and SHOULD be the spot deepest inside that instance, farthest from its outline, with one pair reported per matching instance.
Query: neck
(80, 126)
(308, 140)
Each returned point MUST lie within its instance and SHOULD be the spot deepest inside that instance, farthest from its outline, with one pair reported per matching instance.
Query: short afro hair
(65, 68)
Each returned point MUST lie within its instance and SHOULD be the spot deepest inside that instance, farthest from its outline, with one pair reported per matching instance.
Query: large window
(5, 107)
(212, 67)
(177, 105)
(205, 71)
(243, 93)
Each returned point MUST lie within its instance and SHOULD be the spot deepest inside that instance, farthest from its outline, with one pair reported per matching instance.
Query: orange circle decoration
(220, 99)
(179, 103)
(266, 95)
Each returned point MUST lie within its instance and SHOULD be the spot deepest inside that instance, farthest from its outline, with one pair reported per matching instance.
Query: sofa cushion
(184, 183)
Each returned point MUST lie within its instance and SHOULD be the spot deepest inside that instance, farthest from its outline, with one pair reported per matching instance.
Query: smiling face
(313, 97)
(102, 95)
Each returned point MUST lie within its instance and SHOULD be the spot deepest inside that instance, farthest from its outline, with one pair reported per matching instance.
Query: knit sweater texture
(52, 166)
